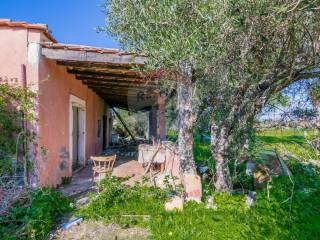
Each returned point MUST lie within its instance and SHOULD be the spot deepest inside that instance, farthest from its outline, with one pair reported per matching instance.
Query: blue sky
(71, 21)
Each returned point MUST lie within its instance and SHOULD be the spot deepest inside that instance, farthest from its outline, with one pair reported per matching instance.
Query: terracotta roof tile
(55, 45)
(38, 26)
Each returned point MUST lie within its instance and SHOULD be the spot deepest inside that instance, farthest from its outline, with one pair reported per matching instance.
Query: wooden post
(110, 125)
(162, 117)
(153, 123)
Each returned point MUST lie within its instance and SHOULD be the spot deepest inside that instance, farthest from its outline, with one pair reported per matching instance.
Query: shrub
(16, 105)
(34, 215)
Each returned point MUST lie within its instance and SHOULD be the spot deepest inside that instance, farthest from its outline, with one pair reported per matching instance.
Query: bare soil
(96, 230)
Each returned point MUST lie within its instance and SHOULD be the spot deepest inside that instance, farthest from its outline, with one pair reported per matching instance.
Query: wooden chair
(103, 164)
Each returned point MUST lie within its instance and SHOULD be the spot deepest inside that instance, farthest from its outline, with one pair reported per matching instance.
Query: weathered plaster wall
(56, 85)
(14, 69)
(13, 52)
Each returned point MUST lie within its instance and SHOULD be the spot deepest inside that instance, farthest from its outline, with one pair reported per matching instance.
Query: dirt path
(95, 230)
(78, 189)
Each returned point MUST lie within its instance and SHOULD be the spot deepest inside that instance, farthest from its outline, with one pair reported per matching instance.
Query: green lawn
(275, 215)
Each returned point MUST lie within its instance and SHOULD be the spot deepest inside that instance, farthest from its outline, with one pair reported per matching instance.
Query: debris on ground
(261, 176)
(11, 188)
(71, 223)
(250, 166)
(202, 169)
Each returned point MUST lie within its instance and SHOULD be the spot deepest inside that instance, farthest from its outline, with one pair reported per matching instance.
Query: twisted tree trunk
(229, 137)
(219, 148)
(186, 120)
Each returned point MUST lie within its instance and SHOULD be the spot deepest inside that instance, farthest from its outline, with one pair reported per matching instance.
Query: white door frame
(76, 102)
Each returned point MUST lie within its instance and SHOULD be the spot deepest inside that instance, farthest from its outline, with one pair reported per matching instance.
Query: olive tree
(235, 54)
(264, 46)
(175, 36)
(314, 93)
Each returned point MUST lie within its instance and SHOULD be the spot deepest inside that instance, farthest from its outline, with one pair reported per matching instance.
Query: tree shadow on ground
(282, 139)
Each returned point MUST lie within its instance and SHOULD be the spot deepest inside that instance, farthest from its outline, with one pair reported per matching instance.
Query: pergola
(114, 75)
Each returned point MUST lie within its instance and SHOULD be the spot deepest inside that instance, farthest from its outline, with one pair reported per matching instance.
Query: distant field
(291, 140)
(294, 141)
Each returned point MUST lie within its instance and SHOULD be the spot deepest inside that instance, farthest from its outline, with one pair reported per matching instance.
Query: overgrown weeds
(274, 215)
(34, 215)
(127, 206)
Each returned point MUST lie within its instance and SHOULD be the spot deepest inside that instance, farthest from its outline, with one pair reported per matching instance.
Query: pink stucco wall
(13, 45)
(55, 86)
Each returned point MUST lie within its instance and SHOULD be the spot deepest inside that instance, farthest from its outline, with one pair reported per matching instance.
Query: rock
(82, 201)
(270, 163)
(211, 204)
(250, 198)
(174, 203)
(192, 187)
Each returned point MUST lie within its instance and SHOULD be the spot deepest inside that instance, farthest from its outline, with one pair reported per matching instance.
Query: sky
(70, 21)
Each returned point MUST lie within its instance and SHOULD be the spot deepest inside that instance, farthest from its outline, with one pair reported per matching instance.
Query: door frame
(74, 101)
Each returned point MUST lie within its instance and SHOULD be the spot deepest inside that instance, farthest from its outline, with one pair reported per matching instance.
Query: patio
(82, 183)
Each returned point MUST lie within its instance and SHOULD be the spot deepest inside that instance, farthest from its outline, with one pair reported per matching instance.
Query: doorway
(77, 133)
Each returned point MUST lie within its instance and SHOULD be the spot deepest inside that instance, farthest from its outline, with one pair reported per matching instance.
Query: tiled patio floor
(82, 181)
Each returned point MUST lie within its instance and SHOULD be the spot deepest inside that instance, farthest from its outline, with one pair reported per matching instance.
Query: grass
(277, 214)
(269, 219)
(286, 136)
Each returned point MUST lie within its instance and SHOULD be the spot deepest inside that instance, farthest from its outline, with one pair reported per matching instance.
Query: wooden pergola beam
(86, 64)
(102, 82)
(138, 81)
(74, 55)
(108, 74)
(119, 86)
(113, 75)
(114, 93)
(107, 70)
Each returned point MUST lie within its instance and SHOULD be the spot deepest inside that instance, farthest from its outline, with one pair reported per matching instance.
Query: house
(77, 86)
